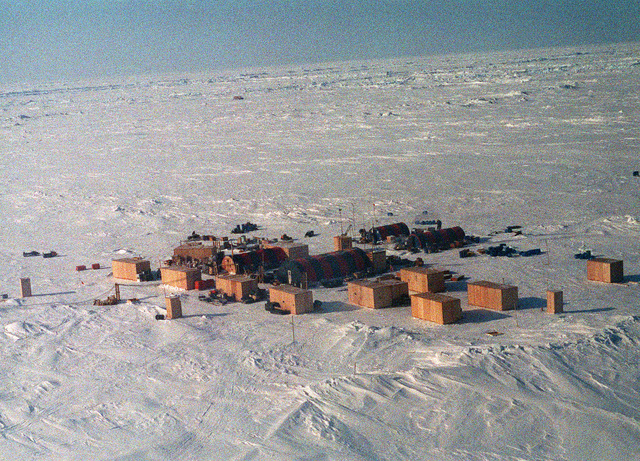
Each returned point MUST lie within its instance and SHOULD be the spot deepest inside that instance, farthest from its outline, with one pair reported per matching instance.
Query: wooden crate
(293, 250)
(378, 260)
(376, 294)
(174, 307)
(605, 270)
(435, 307)
(293, 299)
(491, 295)
(196, 250)
(236, 286)
(422, 279)
(342, 242)
(25, 287)
(554, 302)
(180, 277)
(129, 268)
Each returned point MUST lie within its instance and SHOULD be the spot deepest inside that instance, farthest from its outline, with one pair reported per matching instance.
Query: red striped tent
(250, 261)
(338, 264)
(442, 238)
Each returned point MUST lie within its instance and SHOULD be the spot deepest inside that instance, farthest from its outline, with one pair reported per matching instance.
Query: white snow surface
(547, 139)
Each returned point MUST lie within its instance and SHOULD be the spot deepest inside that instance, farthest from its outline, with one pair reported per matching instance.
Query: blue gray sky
(71, 39)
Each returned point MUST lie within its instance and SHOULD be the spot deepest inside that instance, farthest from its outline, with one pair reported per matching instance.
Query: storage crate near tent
(423, 279)
(293, 299)
(492, 295)
(436, 307)
(605, 270)
(377, 294)
(180, 277)
(378, 258)
(129, 268)
(237, 286)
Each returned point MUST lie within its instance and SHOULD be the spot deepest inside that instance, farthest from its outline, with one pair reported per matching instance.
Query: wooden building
(238, 287)
(378, 260)
(129, 268)
(180, 277)
(436, 307)
(201, 250)
(421, 279)
(377, 294)
(554, 302)
(342, 242)
(605, 270)
(293, 299)
(174, 307)
(25, 287)
(493, 296)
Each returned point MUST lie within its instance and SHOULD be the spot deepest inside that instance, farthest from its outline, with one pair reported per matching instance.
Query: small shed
(201, 250)
(174, 307)
(180, 277)
(436, 307)
(378, 258)
(605, 270)
(490, 295)
(236, 286)
(129, 268)
(422, 279)
(342, 242)
(377, 294)
(554, 302)
(293, 299)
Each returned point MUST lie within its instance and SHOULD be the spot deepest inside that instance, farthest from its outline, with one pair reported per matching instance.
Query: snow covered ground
(546, 139)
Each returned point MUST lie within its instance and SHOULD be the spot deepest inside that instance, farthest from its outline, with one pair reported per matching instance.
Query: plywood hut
(129, 268)
(25, 287)
(238, 287)
(605, 270)
(293, 299)
(377, 294)
(201, 250)
(421, 279)
(174, 307)
(554, 302)
(436, 307)
(492, 295)
(342, 242)
(180, 277)
(378, 260)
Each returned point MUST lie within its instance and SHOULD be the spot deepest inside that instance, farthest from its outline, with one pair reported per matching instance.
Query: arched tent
(326, 266)
(382, 232)
(442, 238)
(250, 261)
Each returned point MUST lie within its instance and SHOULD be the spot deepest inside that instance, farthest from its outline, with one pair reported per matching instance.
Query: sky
(43, 40)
